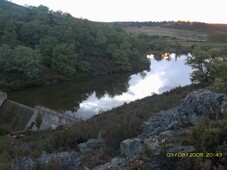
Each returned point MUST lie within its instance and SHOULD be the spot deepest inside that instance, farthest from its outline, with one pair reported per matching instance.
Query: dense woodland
(37, 44)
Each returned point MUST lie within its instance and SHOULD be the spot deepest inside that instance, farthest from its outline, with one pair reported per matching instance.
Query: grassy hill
(186, 34)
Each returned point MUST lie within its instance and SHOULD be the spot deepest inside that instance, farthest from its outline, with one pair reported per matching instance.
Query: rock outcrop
(23, 163)
(91, 144)
(190, 110)
(166, 128)
(116, 163)
(163, 130)
(63, 160)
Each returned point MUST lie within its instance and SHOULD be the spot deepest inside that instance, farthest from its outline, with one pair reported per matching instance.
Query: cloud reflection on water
(162, 76)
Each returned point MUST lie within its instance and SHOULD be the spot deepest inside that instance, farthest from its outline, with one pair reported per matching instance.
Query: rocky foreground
(164, 130)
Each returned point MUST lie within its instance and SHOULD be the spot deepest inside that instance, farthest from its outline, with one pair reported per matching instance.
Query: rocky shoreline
(164, 130)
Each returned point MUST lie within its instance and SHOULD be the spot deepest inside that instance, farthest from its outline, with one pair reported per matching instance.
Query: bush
(210, 137)
(83, 67)
(5, 152)
(2, 83)
(4, 129)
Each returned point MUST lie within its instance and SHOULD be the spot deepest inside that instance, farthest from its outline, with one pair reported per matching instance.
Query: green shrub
(83, 67)
(38, 120)
(210, 137)
(2, 83)
(5, 151)
(4, 129)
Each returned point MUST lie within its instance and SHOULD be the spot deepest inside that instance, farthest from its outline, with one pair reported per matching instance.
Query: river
(91, 95)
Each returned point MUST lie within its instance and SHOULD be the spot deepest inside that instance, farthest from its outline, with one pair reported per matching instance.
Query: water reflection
(69, 95)
(89, 96)
(162, 76)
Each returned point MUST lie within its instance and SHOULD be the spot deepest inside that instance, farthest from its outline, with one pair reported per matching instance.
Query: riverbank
(73, 146)
(115, 125)
(9, 81)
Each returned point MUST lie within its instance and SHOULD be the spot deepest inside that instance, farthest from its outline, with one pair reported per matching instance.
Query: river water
(91, 95)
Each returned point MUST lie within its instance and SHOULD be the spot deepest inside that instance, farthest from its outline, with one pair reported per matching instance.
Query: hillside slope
(39, 45)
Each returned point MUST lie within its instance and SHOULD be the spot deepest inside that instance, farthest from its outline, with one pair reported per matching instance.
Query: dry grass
(115, 125)
(168, 32)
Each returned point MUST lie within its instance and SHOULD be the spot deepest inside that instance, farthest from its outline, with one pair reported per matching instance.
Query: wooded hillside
(37, 44)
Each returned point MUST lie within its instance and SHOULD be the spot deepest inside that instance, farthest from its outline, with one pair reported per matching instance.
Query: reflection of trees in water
(101, 85)
(69, 95)
(158, 56)
(113, 85)
(142, 75)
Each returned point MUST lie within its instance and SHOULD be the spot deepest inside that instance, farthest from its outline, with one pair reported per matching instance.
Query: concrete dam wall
(3, 97)
(51, 118)
(20, 117)
(15, 114)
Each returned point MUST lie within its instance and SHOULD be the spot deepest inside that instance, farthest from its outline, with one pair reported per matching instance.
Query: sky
(209, 11)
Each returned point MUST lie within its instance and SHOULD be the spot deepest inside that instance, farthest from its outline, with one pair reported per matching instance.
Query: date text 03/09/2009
(193, 155)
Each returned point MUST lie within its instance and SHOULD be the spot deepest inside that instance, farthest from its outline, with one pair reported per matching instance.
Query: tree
(101, 39)
(5, 57)
(210, 68)
(220, 81)
(204, 65)
(46, 47)
(121, 59)
(64, 59)
(27, 61)
(38, 120)
(23, 60)
(83, 66)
